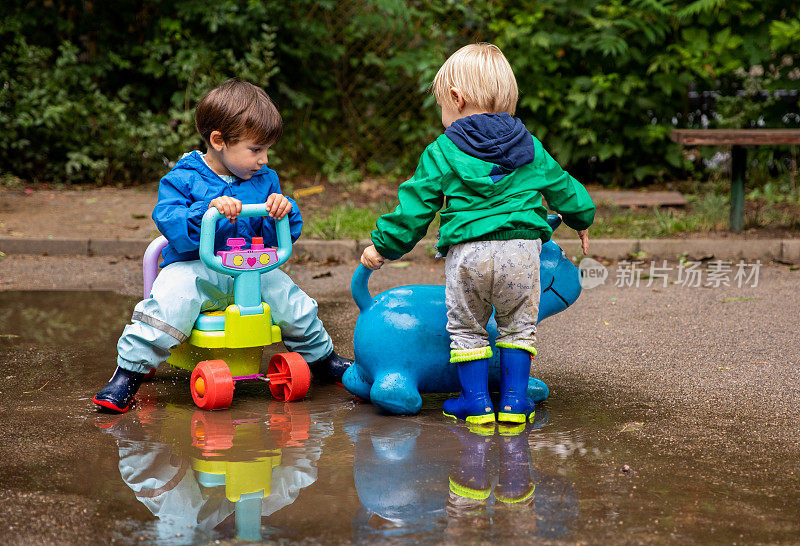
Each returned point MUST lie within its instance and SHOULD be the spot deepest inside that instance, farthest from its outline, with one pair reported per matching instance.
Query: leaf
(633, 426)
(700, 6)
(655, 6)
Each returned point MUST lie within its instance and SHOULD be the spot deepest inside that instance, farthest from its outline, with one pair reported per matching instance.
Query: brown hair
(239, 110)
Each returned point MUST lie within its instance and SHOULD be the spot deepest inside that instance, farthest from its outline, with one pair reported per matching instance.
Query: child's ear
(216, 140)
(458, 98)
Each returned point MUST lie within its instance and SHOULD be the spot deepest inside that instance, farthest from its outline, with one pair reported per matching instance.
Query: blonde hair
(482, 73)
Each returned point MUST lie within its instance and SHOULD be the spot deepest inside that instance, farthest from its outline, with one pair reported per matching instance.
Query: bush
(118, 107)
(103, 92)
(605, 82)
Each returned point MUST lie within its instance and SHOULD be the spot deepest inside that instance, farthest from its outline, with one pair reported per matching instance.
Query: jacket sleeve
(564, 194)
(177, 217)
(268, 231)
(420, 198)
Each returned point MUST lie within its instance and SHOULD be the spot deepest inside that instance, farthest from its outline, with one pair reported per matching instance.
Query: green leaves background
(103, 92)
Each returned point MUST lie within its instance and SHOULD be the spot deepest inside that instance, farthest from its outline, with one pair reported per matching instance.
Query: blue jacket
(184, 195)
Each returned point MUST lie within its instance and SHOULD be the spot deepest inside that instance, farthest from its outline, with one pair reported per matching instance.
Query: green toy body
(227, 346)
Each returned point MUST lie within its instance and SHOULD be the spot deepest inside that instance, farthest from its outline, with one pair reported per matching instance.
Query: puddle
(327, 469)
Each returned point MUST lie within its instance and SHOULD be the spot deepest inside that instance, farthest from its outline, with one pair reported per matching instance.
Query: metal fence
(386, 115)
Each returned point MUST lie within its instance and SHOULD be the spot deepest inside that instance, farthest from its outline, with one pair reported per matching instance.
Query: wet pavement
(610, 458)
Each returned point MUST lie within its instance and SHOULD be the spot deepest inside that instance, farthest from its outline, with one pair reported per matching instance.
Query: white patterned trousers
(485, 275)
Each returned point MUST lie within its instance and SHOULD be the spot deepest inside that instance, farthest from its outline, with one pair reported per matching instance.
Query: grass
(705, 213)
(345, 221)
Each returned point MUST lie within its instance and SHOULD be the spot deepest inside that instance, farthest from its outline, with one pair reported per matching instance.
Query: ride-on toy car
(227, 346)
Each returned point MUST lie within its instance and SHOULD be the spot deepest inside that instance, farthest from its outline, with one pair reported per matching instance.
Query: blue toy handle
(208, 230)
(359, 288)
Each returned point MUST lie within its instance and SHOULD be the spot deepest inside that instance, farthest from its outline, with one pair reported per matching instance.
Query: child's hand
(371, 259)
(229, 206)
(278, 206)
(583, 235)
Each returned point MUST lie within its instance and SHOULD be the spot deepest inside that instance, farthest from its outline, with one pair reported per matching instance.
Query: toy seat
(220, 334)
(150, 263)
(210, 321)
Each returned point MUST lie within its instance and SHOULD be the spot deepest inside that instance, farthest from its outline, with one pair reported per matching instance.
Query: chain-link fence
(390, 52)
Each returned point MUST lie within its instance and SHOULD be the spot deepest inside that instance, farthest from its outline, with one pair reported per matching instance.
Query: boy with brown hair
(488, 175)
(238, 123)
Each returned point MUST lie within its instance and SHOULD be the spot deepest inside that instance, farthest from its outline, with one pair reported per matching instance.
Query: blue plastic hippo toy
(402, 347)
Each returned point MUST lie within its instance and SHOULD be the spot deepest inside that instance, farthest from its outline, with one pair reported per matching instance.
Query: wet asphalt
(673, 417)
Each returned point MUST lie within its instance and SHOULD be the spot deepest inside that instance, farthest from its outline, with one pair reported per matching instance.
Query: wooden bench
(737, 139)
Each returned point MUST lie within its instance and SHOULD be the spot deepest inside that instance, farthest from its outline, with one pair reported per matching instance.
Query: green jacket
(476, 208)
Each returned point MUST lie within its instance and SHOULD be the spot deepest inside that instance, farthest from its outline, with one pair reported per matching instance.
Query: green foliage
(109, 95)
(603, 83)
(707, 213)
(103, 92)
(713, 208)
(339, 168)
(773, 193)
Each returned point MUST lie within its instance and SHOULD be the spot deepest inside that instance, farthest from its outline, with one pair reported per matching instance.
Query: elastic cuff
(386, 252)
(469, 493)
(514, 346)
(465, 355)
(135, 367)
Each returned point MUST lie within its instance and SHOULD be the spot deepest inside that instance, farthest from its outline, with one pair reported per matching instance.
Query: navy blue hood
(496, 138)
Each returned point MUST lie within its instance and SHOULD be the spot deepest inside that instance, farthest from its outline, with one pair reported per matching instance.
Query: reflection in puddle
(216, 475)
(328, 470)
(453, 482)
(52, 317)
(207, 475)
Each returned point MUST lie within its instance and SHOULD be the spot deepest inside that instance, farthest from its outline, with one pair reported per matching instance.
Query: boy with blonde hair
(488, 175)
(238, 123)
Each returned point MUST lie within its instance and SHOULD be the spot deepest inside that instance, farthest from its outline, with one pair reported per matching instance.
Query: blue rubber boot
(515, 484)
(469, 478)
(117, 395)
(473, 405)
(515, 406)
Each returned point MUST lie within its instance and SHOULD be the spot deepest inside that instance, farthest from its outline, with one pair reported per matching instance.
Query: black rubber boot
(117, 395)
(331, 368)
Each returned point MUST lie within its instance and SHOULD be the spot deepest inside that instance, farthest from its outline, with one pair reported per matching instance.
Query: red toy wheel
(291, 421)
(289, 376)
(212, 432)
(212, 385)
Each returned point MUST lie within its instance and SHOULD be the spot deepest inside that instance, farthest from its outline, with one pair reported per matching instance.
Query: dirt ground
(124, 213)
(99, 212)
